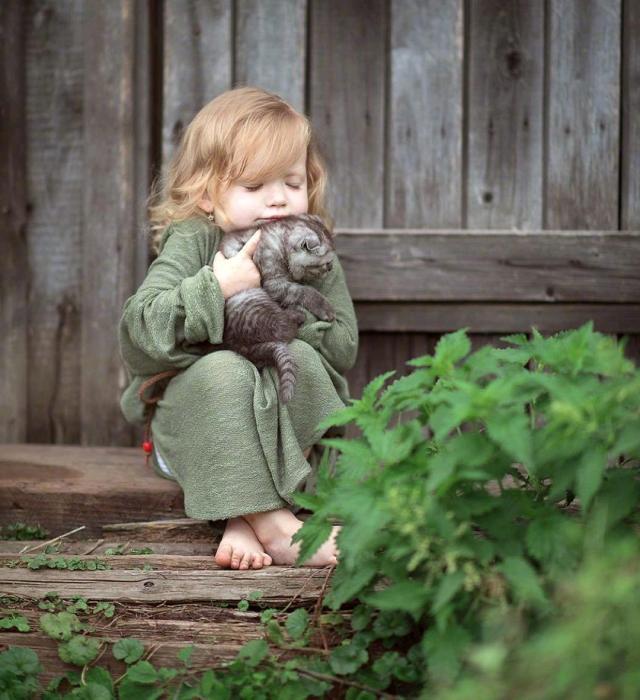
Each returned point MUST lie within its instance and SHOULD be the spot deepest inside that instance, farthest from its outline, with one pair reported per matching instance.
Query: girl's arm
(179, 304)
(336, 341)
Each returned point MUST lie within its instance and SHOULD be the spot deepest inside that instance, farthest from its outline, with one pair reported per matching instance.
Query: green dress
(219, 427)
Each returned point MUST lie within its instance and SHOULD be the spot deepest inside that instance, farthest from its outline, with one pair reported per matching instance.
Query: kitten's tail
(281, 356)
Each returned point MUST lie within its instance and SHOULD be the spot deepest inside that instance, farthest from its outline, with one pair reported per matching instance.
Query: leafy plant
(22, 531)
(479, 483)
(42, 561)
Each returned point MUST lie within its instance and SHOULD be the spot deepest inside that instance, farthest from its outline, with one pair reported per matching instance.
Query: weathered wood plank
(347, 104)
(583, 141)
(495, 318)
(277, 583)
(270, 47)
(109, 237)
(55, 182)
(204, 656)
(424, 132)
(128, 562)
(196, 61)
(630, 151)
(177, 529)
(97, 547)
(13, 220)
(576, 266)
(505, 114)
(216, 633)
(65, 487)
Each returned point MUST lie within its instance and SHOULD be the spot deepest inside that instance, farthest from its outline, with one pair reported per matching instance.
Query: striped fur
(260, 323)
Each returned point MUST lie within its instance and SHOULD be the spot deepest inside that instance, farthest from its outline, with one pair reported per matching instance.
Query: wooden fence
(484, 156)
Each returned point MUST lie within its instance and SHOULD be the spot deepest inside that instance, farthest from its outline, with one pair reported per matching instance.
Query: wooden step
(61, 487)
(91, 500)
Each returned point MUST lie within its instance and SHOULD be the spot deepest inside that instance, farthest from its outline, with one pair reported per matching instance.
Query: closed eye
(252, 188)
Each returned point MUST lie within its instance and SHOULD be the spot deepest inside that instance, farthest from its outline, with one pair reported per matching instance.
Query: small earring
(211, 216)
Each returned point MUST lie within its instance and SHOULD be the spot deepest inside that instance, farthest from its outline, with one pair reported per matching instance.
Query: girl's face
(246, 203)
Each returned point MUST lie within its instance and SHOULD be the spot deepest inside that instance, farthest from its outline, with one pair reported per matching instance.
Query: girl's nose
(276, 195)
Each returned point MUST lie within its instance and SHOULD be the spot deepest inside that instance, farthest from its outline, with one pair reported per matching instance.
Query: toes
(223, 555)
(257, 561)
(235, 560)
(245, 561)
(267, 560)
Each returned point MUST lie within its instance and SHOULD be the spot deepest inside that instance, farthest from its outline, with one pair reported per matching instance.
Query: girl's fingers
(250, 246)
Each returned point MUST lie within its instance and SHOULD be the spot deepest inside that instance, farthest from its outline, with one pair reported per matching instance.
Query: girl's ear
(206, 204)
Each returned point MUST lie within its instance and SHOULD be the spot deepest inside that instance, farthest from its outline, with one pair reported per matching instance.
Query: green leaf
(15, 621)
(185, 654)
(79, 650)
(297, 623)
(449, 586)
(512, 433)
(443, 650)
(243, 605)
(407, 596)
(60, 626)
(19, 661)
(347, 659)
(452, 347)
(99, 676)
(130, 690)
(591, 467)
(370, 392)
(522, 577)
(128, 650)
(143, 672)
(253, 652)
(91, 691)
(346, 584)
(312, 535)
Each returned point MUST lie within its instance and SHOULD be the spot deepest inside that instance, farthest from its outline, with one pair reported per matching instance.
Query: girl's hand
(239, 272)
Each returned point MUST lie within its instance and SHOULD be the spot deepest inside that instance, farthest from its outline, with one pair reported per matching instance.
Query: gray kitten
(260, 323)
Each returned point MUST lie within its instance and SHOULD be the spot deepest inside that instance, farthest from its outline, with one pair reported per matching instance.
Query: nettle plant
(480, 481)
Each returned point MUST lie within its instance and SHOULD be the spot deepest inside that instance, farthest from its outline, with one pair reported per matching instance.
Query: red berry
(147, 446)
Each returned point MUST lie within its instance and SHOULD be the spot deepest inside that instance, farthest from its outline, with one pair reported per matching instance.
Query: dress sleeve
(336, 341)
(178, 305)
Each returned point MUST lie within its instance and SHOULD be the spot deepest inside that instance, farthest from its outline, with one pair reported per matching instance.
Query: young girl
(219, 428)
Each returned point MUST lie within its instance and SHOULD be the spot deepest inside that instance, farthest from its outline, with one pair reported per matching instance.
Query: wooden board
(442, 317)
(543, 266)
(347, 104)
(109, 248)
(424, 157)
(55, 188)
(270, 47)
(196, 63)
(167, 585)
(505, 115)
(13, 219)
(583, 135)
(630, 151)
(66, 487)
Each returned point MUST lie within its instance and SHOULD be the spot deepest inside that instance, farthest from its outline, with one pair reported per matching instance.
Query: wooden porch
(104, 500)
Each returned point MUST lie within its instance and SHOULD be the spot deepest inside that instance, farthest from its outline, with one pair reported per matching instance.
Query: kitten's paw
(297, 315)
(325, 312)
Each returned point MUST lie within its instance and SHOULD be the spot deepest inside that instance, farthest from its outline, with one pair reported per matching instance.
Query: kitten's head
(308, 243)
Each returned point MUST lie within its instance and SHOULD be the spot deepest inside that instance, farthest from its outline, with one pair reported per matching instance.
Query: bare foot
(275, 529)
(240, 548)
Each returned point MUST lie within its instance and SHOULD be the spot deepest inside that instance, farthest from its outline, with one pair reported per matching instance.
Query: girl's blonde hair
(245, 132)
